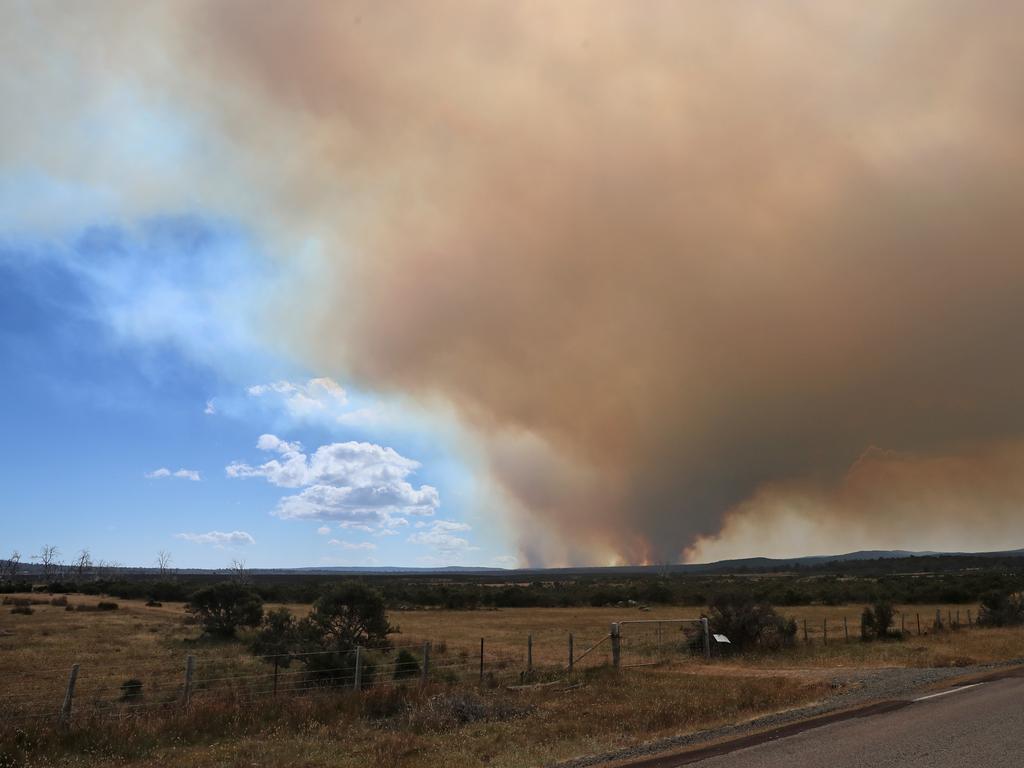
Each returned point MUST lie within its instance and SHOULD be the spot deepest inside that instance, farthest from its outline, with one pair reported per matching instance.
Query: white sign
(722, 639)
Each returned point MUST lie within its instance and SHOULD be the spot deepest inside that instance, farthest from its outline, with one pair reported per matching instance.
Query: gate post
(616, 645)
(707, 637)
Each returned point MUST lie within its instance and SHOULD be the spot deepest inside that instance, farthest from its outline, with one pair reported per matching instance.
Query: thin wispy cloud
(218, 538)
(181, 474)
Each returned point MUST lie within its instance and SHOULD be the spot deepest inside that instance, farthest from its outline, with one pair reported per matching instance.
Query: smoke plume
(679, 265)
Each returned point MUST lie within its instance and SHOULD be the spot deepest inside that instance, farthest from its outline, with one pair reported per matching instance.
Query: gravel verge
(852, 688)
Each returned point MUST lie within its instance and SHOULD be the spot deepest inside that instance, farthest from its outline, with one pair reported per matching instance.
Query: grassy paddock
(450, 724)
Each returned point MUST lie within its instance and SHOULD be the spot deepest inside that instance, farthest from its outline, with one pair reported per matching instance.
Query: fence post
(190, 666)
(903, 624)
(481, 659)
(570, 653)
(958, 618)
(919, 625)
(806, 639)
(824, 631)
(529, 653)
(969, 622)
(846, 630)
(357, 682)
(949, 616)
(938, 619)
(277, 660)
(69, 695)
(706, 629)
(425, 673)
(616, 647)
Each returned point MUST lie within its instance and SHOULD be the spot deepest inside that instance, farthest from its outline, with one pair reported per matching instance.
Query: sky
(510, 284)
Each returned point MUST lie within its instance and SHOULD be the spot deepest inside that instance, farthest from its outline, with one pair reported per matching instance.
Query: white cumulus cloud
(183, 474)
(219, 538)
(362, 486)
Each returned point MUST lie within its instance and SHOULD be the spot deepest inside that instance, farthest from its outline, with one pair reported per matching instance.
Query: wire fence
(122, 690)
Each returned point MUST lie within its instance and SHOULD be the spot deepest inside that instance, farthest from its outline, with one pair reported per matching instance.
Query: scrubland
(453, 721)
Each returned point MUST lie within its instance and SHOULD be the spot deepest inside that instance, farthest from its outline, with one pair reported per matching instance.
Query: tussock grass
(412, 727)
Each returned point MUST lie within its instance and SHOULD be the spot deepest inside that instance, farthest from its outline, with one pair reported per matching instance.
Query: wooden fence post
(425, 672)
(846, 630)
(706, 629)
(806, 639)
(529, 653)
(958, 618)
(919, 625)
(903, 624)
(616, 646)
(938, 619)
(69, 695)
(190, 666)
(824, 631)
(570, 653)
(481, 659)
(357, 681)
(969, 622)
(277, 660)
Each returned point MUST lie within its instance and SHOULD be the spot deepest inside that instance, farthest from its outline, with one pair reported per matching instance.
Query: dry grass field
(449, 723)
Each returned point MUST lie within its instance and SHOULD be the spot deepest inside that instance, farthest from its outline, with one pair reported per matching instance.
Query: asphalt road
(978, 726)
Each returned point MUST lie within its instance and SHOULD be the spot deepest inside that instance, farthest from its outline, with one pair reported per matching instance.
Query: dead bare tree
(238, 568)
(163, 562)
(82, 564)
(9, 567)
(103, 568)
(47, 557)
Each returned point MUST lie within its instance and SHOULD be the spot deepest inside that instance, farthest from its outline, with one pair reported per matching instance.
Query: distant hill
(887, 560)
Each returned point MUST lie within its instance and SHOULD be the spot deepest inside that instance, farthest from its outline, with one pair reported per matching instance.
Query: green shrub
(748, 623)
(406, 665)
(224, 607)
(876, 623)
(1001, 608)
(131, 690)
(25, 610)
(106, 606)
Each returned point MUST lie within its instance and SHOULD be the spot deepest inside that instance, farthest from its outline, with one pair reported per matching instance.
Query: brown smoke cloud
(679, 264)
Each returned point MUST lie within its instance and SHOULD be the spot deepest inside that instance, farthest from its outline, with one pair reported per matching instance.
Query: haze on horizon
(496, 283)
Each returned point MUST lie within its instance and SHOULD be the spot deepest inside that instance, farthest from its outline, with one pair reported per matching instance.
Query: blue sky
(139, 380)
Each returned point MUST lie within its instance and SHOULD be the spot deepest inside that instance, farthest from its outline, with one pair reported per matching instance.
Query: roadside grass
(417, 728)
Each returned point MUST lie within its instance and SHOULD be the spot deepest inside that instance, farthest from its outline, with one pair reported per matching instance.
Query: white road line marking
(951, 690)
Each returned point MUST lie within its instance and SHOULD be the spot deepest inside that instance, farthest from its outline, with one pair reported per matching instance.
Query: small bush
(154, 604)
(22, 609)
(406, 665)
(1001, 608)
(83, 607)
(748, 623)
(69, 607)
(876, 623)
(106, 606)
(131, 690)
(224, 607)
(61, 601)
